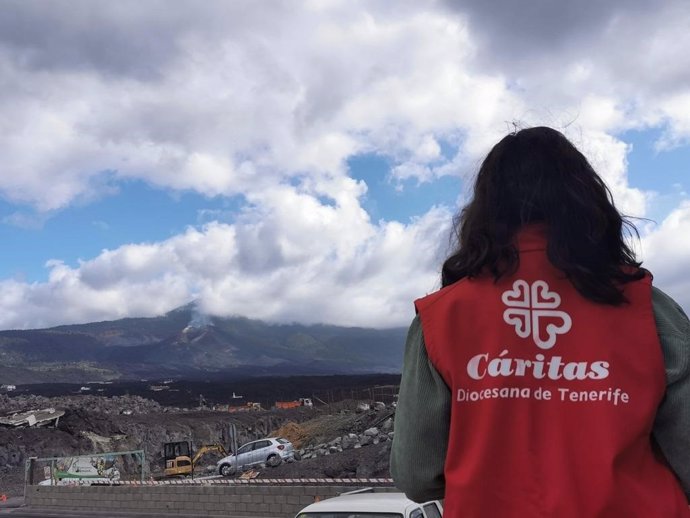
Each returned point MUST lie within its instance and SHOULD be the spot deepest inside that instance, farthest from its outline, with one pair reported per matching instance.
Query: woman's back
(536, 376)
(553, 396)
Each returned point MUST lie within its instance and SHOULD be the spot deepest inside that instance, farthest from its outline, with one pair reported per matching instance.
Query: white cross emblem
(527, 305)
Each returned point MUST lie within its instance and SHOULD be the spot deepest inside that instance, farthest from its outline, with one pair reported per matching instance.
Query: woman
(547, 377)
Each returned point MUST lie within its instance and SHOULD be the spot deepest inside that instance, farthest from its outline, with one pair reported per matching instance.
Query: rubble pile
(348, 441)
(370, 461)
(294, 433)
(341, 445)
(128, 405)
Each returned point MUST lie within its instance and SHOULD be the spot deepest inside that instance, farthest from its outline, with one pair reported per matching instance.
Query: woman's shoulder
(455, 289)
(669, 315)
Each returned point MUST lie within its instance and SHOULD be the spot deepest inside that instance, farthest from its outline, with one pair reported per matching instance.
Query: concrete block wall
(279, 501)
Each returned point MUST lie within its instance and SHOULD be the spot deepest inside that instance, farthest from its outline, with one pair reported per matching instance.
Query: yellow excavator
(178, 458)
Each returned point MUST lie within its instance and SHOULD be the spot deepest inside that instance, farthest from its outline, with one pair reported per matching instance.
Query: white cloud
(230, 98)
(230, 107)
(666, 251)
(291, 258)
(676, 110)
(608, 156)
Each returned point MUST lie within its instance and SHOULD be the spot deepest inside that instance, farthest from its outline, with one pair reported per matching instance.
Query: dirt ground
(366, 462)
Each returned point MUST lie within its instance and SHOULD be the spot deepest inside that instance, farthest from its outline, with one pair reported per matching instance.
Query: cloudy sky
(302, 160)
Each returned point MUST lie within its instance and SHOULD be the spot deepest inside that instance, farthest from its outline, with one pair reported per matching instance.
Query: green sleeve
(422, 421)
(672, 426)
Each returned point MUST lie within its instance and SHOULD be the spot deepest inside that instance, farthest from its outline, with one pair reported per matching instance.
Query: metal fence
(385, 393)
(83, 470)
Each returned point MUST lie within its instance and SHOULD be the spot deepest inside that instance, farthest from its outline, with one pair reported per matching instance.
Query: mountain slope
(180, 344)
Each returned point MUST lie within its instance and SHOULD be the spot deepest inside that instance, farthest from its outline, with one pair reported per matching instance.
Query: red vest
(553, 397)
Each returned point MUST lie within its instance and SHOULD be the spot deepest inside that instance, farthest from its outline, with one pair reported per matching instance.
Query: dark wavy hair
(537, 176)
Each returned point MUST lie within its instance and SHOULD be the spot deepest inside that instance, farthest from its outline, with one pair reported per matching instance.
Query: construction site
(88, 439)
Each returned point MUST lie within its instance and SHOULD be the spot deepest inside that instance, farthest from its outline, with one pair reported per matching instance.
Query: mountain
(181, 344)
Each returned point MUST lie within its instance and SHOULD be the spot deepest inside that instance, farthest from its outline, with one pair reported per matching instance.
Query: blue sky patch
(386, 200)
(138, 213)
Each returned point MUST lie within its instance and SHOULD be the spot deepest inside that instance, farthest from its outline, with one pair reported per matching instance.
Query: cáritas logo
(533, 310)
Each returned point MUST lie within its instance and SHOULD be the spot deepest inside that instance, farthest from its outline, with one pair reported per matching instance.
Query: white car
(271, 451)
(372, 505)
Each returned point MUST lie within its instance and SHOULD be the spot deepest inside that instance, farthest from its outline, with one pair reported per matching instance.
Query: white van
(372, 505)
